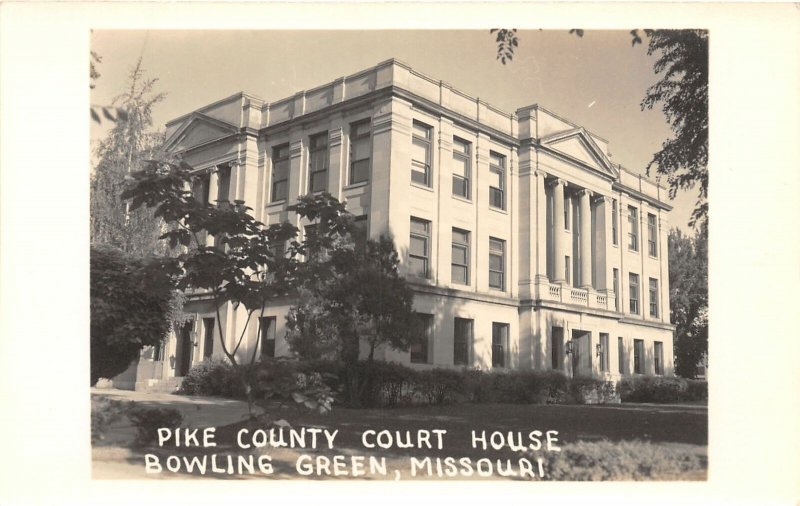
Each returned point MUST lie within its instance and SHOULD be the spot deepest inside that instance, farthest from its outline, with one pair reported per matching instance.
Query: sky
(596, 81)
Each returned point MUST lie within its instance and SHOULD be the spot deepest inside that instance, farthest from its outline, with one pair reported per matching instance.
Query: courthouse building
(526, 246)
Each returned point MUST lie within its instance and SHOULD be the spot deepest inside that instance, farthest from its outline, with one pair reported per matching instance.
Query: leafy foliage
(688, 295)
(124, 151)
(682, 93)
(148, 420)
(507, 41)
(132, 305)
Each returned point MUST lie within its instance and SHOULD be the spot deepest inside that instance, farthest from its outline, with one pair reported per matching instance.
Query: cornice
(462, 294)
(642, 196)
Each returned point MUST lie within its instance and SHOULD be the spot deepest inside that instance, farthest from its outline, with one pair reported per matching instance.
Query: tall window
(638, 356)
(621, 354)
(462, 341)
(420, 353)
(567, 213)
(616, 289)
(603, 352)
(419, 250)
(208, 337)
(499, 344)
(266, 332)
(461, 167)
(158, 352)
(633, 228)
(280, 172)
(653, 297)
(223, 184)
(652, 233)
(633, 282)
(318, 163)
(614, 221)
(658, 357)
(557, 348)
(567, 269)
(421, 154)
(360, 150)
(497, 180)
(201, 188)
(497, 263)
(459, 270)
(360, 230)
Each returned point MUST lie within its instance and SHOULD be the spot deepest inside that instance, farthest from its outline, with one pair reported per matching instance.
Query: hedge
(661, 389)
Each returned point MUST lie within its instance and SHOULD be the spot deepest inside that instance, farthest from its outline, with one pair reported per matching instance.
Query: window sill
(462, 199)
(654, 257)
(422, 186)
(356, 185)
(277, 203)
(498, 210)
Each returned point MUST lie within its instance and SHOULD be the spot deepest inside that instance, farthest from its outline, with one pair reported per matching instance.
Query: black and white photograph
(492, 253)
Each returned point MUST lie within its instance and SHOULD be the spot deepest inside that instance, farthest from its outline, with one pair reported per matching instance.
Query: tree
(688, 294)
(132, 305)
(355, 296)
(226, 252)
(682, 93)
(129, 143)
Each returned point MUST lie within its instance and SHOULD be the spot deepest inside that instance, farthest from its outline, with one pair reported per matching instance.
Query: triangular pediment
(197, 129)
(578, 147)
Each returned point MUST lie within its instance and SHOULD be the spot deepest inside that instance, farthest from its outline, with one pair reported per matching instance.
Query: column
(213, 188)
(559, 241)
(541, 227)
(586, 238)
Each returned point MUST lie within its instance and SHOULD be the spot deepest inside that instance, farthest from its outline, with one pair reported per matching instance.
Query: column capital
(557, 181)
(541, 173)
(602, 199)
(584, 192)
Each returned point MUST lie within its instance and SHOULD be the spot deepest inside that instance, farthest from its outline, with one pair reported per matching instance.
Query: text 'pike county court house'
(527, 247)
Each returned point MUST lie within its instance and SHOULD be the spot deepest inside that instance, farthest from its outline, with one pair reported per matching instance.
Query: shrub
(519, 387)
(148, 420)
(214, 378)
(384, 384)
(104, 413)
(624, 460)
(592, 391)
(660, 389)
(439, 386)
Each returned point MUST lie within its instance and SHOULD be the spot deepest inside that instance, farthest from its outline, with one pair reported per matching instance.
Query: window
(497, 179)
(360, 151)
(557, 348)
(459, 271)
(615, 272)
(614, 221)
(266, 332)
(419, 248)
(633, 281)
(360, 232)
(420, 350)
(499, 344)
(158, 352)
(621, 354)
(652, 249)
(208, 337)
(658, 357)
(653, 297)
(318, 163)
(201, 188)
(421, 154)
(567, 212)
(280, 172)
(461, 167)
(315, 242)
(638, 356)
(278, 249)
(462, 341)
(223, 184)
(567, 269)
(633, 228)
(497, 263)
(603, 353)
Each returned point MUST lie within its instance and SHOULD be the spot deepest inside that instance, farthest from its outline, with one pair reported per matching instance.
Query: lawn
(606, 442)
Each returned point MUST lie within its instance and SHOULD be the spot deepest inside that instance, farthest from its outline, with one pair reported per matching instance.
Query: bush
(382, 384)
(660, 389)
(104, 413)
(592, 391)
(439, 386)
(214, 378)
(517, 387)
(624, 460)
(148, 420)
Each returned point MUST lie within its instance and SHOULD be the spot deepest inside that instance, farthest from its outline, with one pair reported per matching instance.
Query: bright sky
(596, 81)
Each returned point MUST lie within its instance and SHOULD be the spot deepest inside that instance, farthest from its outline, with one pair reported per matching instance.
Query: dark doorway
(581, 353)
(183, 358)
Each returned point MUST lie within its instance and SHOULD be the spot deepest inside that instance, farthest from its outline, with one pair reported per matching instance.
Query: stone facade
(526, 245)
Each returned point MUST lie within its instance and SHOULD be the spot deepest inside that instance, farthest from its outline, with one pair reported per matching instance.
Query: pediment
(578, 147)
(196, 130)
